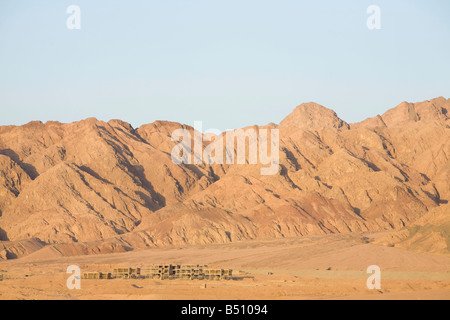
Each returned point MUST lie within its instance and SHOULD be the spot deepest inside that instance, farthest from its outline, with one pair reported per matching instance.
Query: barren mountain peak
(312, 115)
(32, 124)
(120, 123)
(406, 112)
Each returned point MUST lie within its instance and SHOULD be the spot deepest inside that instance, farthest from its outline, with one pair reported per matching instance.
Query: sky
(227, 63)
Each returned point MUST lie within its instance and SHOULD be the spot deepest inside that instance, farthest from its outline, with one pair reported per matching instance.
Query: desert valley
(346, 196)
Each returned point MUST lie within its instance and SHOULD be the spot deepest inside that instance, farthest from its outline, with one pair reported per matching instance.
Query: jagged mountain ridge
(97, 187)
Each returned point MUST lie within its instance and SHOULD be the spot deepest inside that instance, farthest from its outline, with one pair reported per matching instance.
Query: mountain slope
(99, 187)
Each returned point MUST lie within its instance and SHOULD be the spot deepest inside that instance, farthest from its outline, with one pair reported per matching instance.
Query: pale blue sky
(229, 63)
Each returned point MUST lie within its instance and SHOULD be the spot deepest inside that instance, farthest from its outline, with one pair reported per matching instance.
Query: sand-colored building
(186, 272)
(127, 273)
(164, 272)
(97, 275)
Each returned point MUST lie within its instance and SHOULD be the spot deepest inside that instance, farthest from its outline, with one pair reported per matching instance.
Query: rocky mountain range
(98, 187)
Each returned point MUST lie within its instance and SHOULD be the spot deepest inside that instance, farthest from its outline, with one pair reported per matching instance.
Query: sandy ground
(318, 267)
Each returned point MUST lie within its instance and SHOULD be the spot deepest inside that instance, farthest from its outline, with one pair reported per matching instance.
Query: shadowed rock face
(95, 187)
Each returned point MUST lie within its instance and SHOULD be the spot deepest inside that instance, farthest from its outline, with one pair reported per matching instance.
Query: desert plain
(315, 267)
